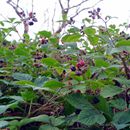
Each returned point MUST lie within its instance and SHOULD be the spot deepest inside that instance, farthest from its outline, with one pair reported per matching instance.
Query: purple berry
(98, 9)
(30, 23)
(95, 100)
(73, 68)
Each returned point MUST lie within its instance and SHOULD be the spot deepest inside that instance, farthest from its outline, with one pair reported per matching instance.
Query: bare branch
(78, 12)
(78, 4)
(65, 11)
(53, 20)
(61, 5)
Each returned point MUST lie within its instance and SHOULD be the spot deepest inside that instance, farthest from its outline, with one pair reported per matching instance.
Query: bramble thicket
(74, 78)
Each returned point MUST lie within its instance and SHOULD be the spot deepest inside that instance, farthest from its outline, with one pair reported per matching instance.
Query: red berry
(30, 14)
(78, 65)
(81, 62)
(78, 91)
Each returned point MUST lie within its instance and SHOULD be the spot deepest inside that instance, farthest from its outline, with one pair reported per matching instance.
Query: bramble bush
(49, 83)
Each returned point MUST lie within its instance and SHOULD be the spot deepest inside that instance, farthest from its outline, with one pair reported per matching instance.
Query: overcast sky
(45, 8)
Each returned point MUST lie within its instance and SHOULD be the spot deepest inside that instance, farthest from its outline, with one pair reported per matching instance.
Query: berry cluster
(12, 47)
(95, 13)
(38, 55)
(43, 41)
(80, 68)
(32, 18)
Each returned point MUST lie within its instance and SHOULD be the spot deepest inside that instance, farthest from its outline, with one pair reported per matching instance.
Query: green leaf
(118, 103)
(50, 62)
(3, 124)
(119, 49)
(110, 91)
(28, 95)
(101, 63)
(71, 38)
(17, 98)
(56, 121)
(53, 84)
(48, 127)
(22, 50)
(123, 43)
(40, 81)
(89, 31)
(41, 118)
(45, 34)
(121, 119)
(78, 101)
(22, 76)
(90, 117)
(3, 108)
(24, 83)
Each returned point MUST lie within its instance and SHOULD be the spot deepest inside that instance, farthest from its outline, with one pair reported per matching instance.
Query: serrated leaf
(48, 127)
(22, 76)
(101, 63)
(118, 103)
(41, 118)
(53, 84)
(123, 43)
(50, 62)
(110, 91)
(78, 101)
(3, 108)
(89, 31)
(40, 81)
(90, 117)
(121, 119)
(71, 38)
(3, 124)
(24, 83)
(56, 121)
(45, 34)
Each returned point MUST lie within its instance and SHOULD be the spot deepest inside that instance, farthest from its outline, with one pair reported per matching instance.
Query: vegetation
(50, 83)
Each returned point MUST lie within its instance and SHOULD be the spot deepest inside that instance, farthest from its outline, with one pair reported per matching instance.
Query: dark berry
(73, 68)
(45, 56)
(30, 23)
(64, 72)
(4, 43)
(89, 11)
(77, 111)
(95, 100)
(1, 61)
(98, 9)
(34, 19)
(12, 47)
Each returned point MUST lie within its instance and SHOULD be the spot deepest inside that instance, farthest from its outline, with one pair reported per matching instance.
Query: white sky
(45, 8)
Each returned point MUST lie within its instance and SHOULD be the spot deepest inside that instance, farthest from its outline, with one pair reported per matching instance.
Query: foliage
(50, 83)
